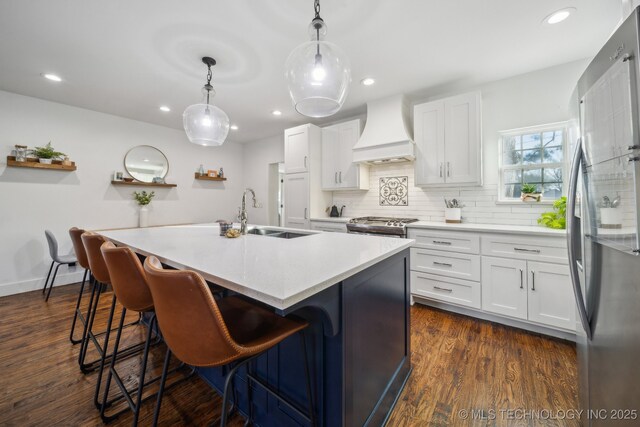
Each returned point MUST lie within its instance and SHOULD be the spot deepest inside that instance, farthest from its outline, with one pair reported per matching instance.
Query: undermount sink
(276, 233)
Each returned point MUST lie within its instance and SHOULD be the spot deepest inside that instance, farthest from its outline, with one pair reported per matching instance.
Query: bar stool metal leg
(77, 312)
(104, 352)
(163, 380)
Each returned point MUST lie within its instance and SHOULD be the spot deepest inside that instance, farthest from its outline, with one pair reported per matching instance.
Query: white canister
(453, 215)
(144, 217)
(610, 217)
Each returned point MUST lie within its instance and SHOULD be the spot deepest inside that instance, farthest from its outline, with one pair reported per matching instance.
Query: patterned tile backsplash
(394, 191)
(428, 204)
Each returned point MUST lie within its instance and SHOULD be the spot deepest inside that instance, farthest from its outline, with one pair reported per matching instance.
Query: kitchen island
(352, 289)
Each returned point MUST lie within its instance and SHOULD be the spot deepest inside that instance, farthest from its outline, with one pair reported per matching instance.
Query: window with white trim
(533, 155)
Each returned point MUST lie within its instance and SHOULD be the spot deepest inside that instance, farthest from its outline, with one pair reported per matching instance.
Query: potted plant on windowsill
(143, 199)
(530, 193)
(47, 154)
(558, 217)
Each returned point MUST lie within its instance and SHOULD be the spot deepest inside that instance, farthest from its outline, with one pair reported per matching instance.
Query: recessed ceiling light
(559, 16)
(165, 108)
(276, 112)
(52, 77)
(145, 160)
(368, 81)
(233, 127)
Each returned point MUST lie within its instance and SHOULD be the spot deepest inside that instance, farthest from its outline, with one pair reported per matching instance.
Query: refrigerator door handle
(572, 235)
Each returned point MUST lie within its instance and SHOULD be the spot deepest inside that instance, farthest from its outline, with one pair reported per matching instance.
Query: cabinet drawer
(446, 241)
(335, 227)
(551, 249)
(461, 266)
(447, 289)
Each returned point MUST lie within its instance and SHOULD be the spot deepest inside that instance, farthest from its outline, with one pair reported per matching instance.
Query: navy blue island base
(359, 351)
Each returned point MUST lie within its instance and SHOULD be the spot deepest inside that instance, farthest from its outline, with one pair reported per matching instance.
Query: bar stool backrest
(78, 247)
(92, 243)
(189, 318)
(128, 278)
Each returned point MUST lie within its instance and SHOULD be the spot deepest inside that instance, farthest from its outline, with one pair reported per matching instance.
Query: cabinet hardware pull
(533, 280)
(305, 162)
(633, 147)
(442, 289)
(521, 279)
(305, 213)
(340, 177)
(633, 159)
(448, 170)
(442, 263)
(440, 169)
(535, 251)
(441, 242)
(336, 178)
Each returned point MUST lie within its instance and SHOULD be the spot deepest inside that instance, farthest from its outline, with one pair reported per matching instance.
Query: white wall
(32, 200)
(535, 98)
(258, 155)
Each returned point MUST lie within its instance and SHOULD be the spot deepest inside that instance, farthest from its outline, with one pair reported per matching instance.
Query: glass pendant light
(318, 73)
(204, 123)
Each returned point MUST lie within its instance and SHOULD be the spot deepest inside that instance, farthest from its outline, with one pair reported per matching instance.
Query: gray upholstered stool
(57, 260)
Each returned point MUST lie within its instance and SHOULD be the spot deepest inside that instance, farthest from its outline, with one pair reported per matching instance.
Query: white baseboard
(34, 284)
(496, 319)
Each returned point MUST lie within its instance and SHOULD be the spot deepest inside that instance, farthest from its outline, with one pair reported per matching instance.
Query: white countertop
(278, 272)
(494, 228)
(341, 219)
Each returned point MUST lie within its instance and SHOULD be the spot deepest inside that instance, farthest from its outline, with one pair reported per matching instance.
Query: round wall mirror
(145, 163)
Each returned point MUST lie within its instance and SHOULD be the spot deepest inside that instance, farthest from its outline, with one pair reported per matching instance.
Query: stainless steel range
(380, 226)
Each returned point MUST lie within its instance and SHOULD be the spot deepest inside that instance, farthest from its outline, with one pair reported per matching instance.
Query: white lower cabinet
(551, 299)
(521, 277)
(534, 291)
(447, 289)
(503, 287)
(330, 226)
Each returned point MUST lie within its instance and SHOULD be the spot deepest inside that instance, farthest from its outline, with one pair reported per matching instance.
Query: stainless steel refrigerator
(602, 227)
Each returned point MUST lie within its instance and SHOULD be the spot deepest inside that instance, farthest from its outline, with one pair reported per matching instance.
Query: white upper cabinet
(296, 149)
(449, 141)
(339, 172)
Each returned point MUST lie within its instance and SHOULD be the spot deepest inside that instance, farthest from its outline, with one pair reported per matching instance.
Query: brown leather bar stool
(204, 332)
(78, 247)
(130, 288)
(92, 243)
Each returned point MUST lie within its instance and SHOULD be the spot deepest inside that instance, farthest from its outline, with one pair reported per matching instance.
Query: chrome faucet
(242, 216)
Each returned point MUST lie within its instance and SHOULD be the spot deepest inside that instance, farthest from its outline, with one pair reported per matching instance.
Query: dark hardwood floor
(460, 364)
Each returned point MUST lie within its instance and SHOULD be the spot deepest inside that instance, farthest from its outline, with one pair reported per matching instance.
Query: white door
(551, 299)
(504, 286)
(296, 149)
(429, 139)
(296, 187)
(348, 172)
(462, 139)
(330, 137)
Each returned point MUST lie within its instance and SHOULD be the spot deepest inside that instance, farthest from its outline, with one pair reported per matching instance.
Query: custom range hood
(387, 136)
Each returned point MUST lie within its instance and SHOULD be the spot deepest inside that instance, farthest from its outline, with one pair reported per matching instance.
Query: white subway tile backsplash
(428, 204)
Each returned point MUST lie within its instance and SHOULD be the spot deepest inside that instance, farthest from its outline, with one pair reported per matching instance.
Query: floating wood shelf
(35, 164)
(142, 184)
(209, 178)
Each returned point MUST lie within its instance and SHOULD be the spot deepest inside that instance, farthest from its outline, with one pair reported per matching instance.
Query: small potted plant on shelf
(47, 154)
(143, 199)
(530, 193)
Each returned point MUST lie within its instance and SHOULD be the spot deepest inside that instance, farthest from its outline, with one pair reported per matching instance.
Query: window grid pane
(533, 158)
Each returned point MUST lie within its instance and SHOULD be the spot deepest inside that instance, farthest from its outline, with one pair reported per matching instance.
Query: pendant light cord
(316, 8)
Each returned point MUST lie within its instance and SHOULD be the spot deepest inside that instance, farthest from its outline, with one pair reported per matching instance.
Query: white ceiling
(129, 57)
